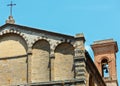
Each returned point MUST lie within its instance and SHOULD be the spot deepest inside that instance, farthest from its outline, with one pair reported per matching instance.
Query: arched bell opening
(105, 69)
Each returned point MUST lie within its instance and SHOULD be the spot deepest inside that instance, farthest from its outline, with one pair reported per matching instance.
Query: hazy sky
(97, 19)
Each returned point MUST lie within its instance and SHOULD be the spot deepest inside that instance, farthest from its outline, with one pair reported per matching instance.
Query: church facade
(34, 57)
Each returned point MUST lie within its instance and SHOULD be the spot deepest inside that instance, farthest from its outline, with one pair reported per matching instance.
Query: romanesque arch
(40, 70)
(105, 68)
(63, 63)
(13, 56)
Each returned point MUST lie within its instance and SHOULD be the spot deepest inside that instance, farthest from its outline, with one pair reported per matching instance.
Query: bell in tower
(105, 72)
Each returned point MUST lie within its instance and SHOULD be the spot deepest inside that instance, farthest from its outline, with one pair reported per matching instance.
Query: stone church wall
(41, 58)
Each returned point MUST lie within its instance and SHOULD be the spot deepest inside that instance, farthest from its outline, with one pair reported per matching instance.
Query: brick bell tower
(105, 60)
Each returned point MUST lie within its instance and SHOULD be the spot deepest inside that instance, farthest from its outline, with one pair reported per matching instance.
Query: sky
(96, 19)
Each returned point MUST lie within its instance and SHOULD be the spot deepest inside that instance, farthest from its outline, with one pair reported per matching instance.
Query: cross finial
(11, 5)
(10, 18)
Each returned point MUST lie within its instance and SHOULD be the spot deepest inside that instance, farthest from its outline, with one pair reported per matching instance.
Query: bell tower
(105, 60)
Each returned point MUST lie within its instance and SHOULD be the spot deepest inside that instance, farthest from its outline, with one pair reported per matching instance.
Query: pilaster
(52, 57)
(29, 65)
(79, 59)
